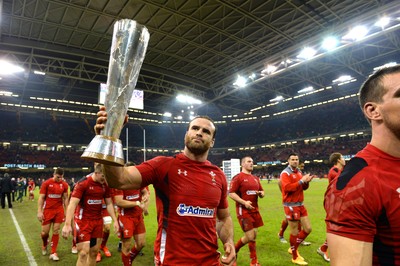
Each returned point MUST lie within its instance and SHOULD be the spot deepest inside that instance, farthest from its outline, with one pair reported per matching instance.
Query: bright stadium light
(305, 90)
(187, 99)
(7, 68)
(356, 33)
(167, 114)
(330, 43)
(269, 70)
(307, 53)
(240, 82)
(382, 22)
(342, 78)
(276, 99)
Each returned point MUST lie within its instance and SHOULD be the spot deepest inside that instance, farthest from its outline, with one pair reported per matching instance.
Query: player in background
(107, 221)
(130, 217)
(285, 223)
(338, 162)
(86, 203)
(31, 189)
(245, 189)
(293, 184)
(52, 203)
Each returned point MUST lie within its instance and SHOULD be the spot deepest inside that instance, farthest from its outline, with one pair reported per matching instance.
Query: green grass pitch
(269, 250)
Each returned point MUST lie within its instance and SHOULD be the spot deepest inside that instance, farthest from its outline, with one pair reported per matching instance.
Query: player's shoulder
(350, 171)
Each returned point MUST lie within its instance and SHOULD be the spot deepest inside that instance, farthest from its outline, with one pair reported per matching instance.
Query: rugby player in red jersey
(338, 162)
(191, 199)
(293, 183)
(86, 203)
(245, 189)
(130, 217)
(363, 203)
(52, 202)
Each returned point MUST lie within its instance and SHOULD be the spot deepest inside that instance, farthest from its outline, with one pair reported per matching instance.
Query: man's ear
(212, 143)
(372, 111)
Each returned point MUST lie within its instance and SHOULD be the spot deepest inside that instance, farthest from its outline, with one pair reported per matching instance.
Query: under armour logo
(182, 172)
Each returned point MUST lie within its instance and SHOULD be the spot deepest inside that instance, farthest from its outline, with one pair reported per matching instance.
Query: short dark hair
(292, 154)
(205, 117)
(243, 159)
(372, 89)
(335, 157)
(59, 171)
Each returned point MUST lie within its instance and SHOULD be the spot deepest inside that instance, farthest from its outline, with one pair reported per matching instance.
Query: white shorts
(107, 220)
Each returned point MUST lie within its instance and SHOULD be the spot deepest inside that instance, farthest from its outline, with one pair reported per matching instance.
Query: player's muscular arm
(344, 251)
(245, 203)
(122, 177)
(225, 233)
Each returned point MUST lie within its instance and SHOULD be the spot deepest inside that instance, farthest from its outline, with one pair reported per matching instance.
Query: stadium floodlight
(382, 22)
(307, 53)
(356, 33)
(330, 43)
(342, 78)
(269, 70)
(39, 72)
(7, 68)
(179, 117)
(167, 114)
(186, 99)
(305, 90)
(276, 99)
(240, 82)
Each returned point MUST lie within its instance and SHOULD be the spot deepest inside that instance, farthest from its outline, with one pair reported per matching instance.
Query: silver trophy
(129, 44)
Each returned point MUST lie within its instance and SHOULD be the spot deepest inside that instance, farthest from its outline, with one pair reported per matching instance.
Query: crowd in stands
(44, 128)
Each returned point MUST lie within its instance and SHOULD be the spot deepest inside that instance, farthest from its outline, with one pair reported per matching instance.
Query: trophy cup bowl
(129, 44)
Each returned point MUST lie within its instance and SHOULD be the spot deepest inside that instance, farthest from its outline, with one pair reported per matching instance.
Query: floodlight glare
(390, 64)
(187, 99)
(330, 43)
(357, 33)
(240, 82)
(167, 114)
(382, 22)
(305, 90)
(343, 78)
(276, 99)
(307, 53)
(7, 68)
(269, 70)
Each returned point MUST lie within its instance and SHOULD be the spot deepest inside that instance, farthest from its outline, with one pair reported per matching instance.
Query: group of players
(362, 203)
(90, 209)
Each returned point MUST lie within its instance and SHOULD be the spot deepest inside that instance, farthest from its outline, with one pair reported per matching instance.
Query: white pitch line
(28, 252)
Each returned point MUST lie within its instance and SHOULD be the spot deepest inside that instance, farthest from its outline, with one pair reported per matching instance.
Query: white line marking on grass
(28, 252)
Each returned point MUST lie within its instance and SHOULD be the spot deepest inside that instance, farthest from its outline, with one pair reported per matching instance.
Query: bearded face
(199, 137)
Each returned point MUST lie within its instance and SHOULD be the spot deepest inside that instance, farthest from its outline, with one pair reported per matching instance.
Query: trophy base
(104, 150)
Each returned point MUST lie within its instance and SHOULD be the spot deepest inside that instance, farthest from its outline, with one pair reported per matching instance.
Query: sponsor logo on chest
(188, 210)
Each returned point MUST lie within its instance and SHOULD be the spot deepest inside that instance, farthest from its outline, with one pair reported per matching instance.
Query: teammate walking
(245, 189)
(86, 202)
(293, 184)
(52, 203)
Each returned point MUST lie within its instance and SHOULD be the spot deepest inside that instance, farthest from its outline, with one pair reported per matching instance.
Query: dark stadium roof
(196, 47)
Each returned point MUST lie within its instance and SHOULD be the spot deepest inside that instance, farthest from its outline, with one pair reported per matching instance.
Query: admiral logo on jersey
(251, 192)
(184, 210)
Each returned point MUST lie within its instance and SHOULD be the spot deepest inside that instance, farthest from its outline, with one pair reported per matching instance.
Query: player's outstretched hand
(229, 257)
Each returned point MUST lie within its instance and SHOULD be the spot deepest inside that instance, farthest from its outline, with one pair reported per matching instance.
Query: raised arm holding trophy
(129, 44)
